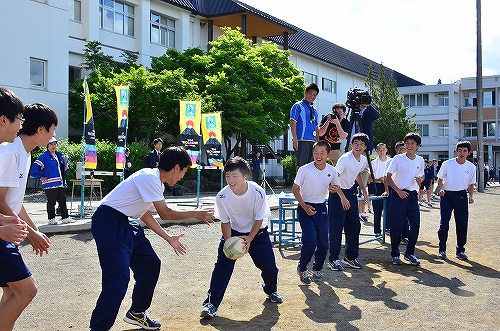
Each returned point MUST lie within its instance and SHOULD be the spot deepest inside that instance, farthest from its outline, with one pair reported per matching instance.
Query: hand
(333, 188)
(7, 220)
(207, 216)
(419, 180)
(345, 203)
(246, 241)
(175, 242)
(40, 242)
(366, 196)
(295, 144)
(310, 210)
(403, 194)
(13, 233)
(471, 200)
(385, 194)
(335, 121)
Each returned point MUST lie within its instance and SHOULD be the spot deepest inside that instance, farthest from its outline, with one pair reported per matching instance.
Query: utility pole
(479, 88)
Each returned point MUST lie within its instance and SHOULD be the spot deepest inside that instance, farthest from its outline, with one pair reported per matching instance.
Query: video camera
(357, 97)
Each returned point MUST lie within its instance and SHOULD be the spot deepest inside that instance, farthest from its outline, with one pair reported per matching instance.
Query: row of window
(118, 17)
(327, 85)
(469, 99)
(470, 129)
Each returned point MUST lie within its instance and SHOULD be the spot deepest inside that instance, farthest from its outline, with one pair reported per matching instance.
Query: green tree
(393, 123)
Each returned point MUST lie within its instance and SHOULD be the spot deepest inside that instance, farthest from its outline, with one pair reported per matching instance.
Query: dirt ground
(438, 295)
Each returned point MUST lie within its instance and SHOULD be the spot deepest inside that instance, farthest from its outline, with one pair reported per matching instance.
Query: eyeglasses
(20, 119)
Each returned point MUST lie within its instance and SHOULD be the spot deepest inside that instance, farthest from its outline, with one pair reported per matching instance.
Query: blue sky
(424, 39)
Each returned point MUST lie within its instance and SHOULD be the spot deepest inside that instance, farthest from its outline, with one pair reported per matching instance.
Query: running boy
(19, 286)
(122, 245)
(243, 210)
(405, 174)
(310, 189)
(379, 166)
(426, 186)
(343, 205)
(456, 177)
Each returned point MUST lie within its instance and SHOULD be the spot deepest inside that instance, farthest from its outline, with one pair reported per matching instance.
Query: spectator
(256, 167)
(127, 171)
(154, 155)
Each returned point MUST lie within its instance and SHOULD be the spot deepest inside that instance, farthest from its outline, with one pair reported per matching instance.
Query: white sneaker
(52, 221)
(68, 220)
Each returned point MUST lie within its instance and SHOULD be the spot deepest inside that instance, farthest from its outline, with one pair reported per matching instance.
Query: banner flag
(212, 137)
(189, 124)
(122, 103)
(89, 132)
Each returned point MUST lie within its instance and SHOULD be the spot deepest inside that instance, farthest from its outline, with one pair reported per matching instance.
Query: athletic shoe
(442, 255)
(317, 276)
(335, 265)
(142, 320)
(404, 241)
(412, 259)
(421, 203)
(462, 256)
(276, 297)
(429, 204)
(68, 220)
(304, 276)
(52, 221)
(370, 211)
(396, 260)
(208, 311)
(352, 263)
(363, 217)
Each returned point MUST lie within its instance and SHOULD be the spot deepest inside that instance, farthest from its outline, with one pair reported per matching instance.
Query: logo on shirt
(21, 175)
(222, 196)
(260, 193)
(329, 175)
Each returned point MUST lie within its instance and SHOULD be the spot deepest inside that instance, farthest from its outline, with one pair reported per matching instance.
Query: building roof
(262, 25)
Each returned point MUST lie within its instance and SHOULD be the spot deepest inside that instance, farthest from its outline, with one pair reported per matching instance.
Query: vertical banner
(189, 123)
(212, 137)
(122, 102)
(89, 132)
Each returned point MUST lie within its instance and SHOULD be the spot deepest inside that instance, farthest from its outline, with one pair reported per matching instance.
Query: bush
(289, 168)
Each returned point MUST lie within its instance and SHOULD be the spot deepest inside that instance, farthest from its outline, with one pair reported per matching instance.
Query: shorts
(12, 266)
(335, 155)
(426, 184)
(304, 153)
(364, 175)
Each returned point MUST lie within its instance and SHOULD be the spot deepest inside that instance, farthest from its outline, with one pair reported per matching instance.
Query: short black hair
(464, 143)
(157, 140)
(36, 115)
(324, 143)
(413, 136)
(312, 86)
(363, 137)
(172, 156)
(399, 144)
(10, 105)
(237, 163)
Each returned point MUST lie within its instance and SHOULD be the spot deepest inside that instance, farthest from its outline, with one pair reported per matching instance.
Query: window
(162, 30)
(470, 99)
(443, 156)
(37, 73)
(419, 100)
(423, 130)
(75, 74)
(489, 98)
(443, 130)
(117, 17)
(75, 10)
(489, 129)
(443, 100)
(328, 85)
(470, 130)
(310, 78)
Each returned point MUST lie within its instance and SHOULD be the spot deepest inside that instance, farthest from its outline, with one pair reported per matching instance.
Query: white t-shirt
(380, 167)
(457, 177)
(242, 210)
(14, 170)
(404, 171)
(348, 169)
(135, 195)
(314, 182)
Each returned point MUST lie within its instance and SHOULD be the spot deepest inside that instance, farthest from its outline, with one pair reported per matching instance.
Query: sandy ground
(438, 295)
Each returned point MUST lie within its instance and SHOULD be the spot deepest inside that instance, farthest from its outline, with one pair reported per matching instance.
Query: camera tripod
(264, 182)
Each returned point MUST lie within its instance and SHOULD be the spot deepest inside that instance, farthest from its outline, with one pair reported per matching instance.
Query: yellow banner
(190, 117)
(212, 138)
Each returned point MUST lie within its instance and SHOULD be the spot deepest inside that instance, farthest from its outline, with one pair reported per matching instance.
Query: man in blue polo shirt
(303, 124)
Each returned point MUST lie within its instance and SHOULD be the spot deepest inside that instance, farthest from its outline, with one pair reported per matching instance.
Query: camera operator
(334, 128)
(359, 101)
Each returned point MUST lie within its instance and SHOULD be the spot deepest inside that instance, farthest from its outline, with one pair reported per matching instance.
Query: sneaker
(208, 311)
(68, 220)
(404, 241)
(335, 265)
(352, 263)
(442, 255)
(317, 276)
(363, 217)
(462, 256)
(142, 320)
(421, 203)
(429, 204)
(52, 221)
(304, 276)
(370, 211)
(412, 259)
(276, 297)
(396, 260)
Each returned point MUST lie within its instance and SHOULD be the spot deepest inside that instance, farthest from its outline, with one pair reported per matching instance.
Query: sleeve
(335, 178)
(36, 168)
(442, 171)
(341, 164)
(149, 188)
(262, 209)
(219, 211)
(393, 166)
(345, 124)
(8, 164)
(374, 113)
(295, 112)
(151, 160)
(299, 177)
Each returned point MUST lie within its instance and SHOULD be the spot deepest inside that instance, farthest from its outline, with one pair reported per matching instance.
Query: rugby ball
(234, 248)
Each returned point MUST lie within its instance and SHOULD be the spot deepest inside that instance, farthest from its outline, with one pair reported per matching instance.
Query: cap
(52, 140)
